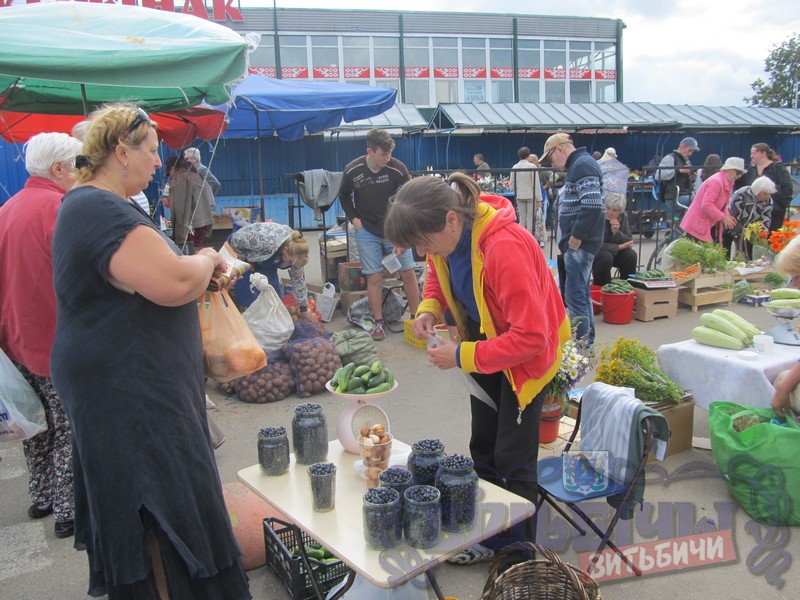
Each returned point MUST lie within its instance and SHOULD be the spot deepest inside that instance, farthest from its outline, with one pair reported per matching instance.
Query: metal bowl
(784, 313)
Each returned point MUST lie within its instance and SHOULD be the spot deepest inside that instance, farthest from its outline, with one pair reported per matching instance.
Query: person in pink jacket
(710, 204)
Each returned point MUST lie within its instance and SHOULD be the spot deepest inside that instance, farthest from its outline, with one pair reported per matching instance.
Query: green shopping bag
(758, 461)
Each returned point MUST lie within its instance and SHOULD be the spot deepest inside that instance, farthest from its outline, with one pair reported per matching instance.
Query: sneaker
(472, 555)
(377, 332)
(64, 529)
(39, 511)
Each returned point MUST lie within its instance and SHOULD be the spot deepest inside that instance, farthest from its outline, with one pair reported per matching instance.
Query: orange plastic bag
(230, 349)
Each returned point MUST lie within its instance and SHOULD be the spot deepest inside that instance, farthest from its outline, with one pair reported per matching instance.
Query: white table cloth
(717, 374)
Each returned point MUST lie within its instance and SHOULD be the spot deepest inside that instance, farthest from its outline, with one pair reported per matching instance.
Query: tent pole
(260, 167)
(83, 99)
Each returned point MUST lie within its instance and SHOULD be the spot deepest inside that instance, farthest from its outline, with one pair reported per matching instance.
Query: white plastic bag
(21, 411)
(267, 316)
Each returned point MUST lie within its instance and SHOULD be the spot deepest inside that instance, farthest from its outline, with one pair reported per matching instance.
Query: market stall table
(717, 374)
(341, 530)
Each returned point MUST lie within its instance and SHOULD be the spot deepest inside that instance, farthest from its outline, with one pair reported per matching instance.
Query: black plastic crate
(278, 541)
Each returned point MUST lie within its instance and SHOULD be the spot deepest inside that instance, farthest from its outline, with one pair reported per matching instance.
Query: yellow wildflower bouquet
(628, 363)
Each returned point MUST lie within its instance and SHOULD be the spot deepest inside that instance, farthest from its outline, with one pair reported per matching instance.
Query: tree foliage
(783, 66)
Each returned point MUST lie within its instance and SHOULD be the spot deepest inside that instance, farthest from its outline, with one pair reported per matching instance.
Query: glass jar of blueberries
(422, 516)
(381, 512)
(273, 450)
(423, 462)
(309, 434)
(457, 481)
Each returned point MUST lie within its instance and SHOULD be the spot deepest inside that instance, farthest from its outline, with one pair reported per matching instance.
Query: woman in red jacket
(490, 273)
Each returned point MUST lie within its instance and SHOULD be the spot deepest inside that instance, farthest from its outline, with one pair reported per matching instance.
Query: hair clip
(81, 162)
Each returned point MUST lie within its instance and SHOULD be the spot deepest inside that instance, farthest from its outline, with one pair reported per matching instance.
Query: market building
(429, 60)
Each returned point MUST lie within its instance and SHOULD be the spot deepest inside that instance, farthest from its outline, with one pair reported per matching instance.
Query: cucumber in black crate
(617, 286)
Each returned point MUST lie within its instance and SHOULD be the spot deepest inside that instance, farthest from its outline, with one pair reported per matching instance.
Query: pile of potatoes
(270, 384)
(314, 362)
(294, 310)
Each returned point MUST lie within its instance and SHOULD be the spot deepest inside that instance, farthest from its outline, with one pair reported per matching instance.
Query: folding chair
(617, 434)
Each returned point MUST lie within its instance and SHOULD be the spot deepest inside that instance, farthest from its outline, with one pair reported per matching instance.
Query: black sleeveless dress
(130, 375)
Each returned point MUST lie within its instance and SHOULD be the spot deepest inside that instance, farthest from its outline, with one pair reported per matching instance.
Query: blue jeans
(578, 267)
(372, 249)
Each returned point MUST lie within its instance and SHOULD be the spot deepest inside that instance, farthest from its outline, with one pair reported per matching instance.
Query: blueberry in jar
(323, 486)
(422, 516)
(458, 483)
(423, 462)
(381, 512)
(273, 450)
(309, 434)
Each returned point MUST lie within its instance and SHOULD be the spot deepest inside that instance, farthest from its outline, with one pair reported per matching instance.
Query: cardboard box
(410, 337)
(335, 248)
(223, 222)
(326, 305)
(347, 298)
(351, 279)
(754, 299)
(680, 418)
(668, 310)
(654, 297)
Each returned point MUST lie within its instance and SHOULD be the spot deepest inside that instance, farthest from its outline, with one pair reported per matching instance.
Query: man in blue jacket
(580, 221)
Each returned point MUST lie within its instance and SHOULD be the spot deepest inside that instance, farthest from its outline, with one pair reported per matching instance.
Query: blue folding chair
(573, 478)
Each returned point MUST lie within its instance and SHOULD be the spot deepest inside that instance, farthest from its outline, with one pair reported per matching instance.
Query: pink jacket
(709, 206)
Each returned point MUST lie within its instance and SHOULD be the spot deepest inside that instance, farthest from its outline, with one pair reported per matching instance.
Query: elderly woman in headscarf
(268, 247)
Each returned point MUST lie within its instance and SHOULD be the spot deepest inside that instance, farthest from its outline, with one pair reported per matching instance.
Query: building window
(446, 91)
(529, 62)
(293, 51)
(605, 55)
(355, 58)
(325, 56)
(264, 55)
(418, 92)
(502, 90)
(386, 52)
(473, 53)
(474, 91)
(529, 91)
(555, 54)
(501, 55)
(555, 92)
(415, 52)
(445, 58)
(605, 91)
(580, 91)
(580, 55)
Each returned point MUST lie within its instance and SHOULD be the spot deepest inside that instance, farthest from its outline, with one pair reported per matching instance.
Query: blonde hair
(788, 260)
(109, 127)
(297, 250)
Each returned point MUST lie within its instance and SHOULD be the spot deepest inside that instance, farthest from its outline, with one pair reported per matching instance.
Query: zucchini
(722, 324)
(783, 303)
(712, 337)
(785, 294)
(743, 324)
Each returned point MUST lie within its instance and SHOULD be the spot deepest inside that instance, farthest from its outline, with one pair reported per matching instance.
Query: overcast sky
(674, 51)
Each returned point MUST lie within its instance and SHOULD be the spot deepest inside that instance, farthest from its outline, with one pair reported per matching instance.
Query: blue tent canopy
(261, 106)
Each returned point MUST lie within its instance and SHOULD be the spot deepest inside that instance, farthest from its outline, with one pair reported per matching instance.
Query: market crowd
(90, 316)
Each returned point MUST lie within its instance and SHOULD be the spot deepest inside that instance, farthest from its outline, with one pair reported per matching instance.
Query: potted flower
(573, 367)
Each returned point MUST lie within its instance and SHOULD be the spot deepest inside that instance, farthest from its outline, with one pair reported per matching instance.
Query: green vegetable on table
(711, 257)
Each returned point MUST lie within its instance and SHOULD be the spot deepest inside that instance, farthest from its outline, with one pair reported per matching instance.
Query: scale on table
(653, 283)
(786, 332)
(359, 414)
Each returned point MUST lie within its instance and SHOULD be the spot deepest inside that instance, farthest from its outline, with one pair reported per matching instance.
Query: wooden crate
(704, 289)
(667, 310)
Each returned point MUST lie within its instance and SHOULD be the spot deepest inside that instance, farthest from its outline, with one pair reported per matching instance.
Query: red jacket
(27, 300)
(521, 310)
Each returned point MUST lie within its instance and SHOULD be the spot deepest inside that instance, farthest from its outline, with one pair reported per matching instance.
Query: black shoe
(39, 511)
(65, 529)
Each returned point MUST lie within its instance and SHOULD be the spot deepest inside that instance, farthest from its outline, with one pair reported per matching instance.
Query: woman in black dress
(127, 362)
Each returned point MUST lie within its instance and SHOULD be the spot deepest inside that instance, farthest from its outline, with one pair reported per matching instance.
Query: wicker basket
(548, 578)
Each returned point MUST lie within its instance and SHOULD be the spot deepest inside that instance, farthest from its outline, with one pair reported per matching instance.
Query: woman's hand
(309, 316)
(219, 263)
(728, 222)
(781, 404)
(444, 356)
(614, 226)
(626, 245)
(423, 325)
